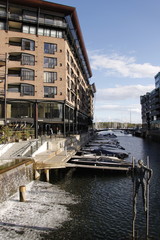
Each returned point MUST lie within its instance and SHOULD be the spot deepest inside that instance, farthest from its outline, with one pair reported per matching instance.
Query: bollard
(22, 193)
(47, 174)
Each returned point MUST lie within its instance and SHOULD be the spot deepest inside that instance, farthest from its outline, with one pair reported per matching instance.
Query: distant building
(150, 104)
(44, 68)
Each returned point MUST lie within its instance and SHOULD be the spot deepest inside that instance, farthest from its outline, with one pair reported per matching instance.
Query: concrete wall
(12, 179)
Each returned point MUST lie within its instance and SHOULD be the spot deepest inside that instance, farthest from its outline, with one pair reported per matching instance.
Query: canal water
(103, 200)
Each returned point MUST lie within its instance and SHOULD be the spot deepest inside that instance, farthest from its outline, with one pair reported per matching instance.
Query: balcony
(22, 58)
(15, 16)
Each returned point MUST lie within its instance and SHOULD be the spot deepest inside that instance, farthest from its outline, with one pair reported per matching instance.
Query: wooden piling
(22, 193)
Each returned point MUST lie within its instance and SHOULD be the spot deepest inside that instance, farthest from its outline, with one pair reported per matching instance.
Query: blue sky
(122, 38)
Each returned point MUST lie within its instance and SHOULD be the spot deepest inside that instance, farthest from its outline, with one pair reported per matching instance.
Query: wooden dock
(63, 160)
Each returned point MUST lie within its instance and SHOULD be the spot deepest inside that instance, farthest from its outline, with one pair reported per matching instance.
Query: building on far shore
(44, 68)
(150, 105)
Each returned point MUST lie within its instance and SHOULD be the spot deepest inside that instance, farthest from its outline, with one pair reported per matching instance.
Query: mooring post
(134, 202)
(47, 174)
(147, 213)
(22, 193)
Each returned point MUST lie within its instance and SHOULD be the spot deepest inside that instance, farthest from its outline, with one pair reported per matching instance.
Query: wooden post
(147, 213)
(22, 193)
(47, 174)
(134, 202)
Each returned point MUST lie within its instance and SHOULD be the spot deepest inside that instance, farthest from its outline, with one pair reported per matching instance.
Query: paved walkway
(52, 160)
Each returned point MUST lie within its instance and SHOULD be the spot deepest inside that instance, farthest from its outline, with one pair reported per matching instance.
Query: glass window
(25, 29)
(29, 29)
(27, 89)
(28, 44)
(46, 32)
(32, 30)
(2, 25)
(50, 77)
(53, 33)
(19, 109)
(40, 31)
(50, 110)
(27, 59)
(59, 34)
(27, 74)
(50, 48)
(50, 92)
(50, 62)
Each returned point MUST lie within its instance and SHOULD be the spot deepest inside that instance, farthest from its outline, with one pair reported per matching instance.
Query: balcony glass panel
(29, 16)
(2, 11)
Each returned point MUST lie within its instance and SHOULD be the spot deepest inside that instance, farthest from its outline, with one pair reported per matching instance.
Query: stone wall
(11, 180)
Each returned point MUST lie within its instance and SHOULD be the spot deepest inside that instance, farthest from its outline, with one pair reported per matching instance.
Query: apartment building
(150, 105)
(44, 68)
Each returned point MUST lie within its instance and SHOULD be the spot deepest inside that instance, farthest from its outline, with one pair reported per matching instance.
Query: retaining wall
(11, 180)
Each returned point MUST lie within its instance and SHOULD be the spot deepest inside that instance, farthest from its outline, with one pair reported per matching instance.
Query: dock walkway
(51, 160)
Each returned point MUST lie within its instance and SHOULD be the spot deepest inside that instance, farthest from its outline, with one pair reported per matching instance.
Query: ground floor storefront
(44, 117)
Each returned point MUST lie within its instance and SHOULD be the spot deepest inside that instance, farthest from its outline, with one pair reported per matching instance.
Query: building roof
(66, 10)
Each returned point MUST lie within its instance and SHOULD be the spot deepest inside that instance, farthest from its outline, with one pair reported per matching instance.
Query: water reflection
(104, 208)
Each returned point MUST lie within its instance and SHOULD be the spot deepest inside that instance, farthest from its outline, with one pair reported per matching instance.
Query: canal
(103, 200)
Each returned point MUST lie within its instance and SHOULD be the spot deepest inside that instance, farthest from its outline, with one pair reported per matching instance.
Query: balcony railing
(15, 16)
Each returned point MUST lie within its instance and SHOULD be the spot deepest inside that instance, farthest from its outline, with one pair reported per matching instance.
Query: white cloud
(122, 66)
(117, 107)
(123, 92)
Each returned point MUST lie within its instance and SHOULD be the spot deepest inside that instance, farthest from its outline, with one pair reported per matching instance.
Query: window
(27, 89)
(40, 31)
(68, 69)
(50, 110)
(49, 33)
(50, 62)
(50, 77)
(50, 48)
(46, 32)
(29, 29)
(2, 25)
(27, 59)
(27, 74)
(50, 92)
(28, 44)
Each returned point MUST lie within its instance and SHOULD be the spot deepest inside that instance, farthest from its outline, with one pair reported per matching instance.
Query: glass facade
(50, 110)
